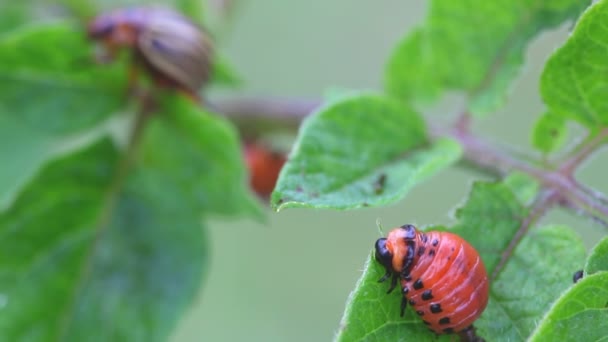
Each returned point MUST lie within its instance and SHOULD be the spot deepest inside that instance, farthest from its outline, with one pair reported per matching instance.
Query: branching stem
(477, 151)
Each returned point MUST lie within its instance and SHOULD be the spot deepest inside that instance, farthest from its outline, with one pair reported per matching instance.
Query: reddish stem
(541, 205)
(476, 150)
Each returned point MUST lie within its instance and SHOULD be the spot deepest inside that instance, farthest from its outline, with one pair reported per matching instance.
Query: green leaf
(224, 74)
(538, 271)
(359, 151)
(372, 315)
(490, 219)
(123, 251)
(195, 9)
(523, 186)
(200, 151)
(49, 80)
(12, 14)
(474, 46)
(598, 258)
(33, 150)
(79, 252)
(573, 83)
(580, 314)
(549, 133)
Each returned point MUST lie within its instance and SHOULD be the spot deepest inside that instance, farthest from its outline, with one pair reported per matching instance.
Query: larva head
(396, 247)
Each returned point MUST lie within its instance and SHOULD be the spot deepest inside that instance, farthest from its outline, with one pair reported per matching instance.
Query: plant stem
(541, 205)
(583, 151)
(477, 151)
(109, 203)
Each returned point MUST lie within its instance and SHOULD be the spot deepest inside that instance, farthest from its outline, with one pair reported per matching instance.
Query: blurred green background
(289, 280)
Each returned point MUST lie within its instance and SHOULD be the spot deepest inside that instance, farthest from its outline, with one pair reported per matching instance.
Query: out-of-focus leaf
(49, 80)
(573, 83)
(200, 151)
(224, 74)
(523, 186)
(580, 314)
(88, 256)
(474, 46)
(12, 15)
(549, 133)
(359, 151)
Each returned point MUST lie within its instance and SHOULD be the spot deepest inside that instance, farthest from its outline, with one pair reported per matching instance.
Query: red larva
(442, 277)
(264, 167)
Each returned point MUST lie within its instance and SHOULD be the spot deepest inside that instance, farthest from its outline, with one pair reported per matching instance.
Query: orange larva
(264, 166)
(442, 277)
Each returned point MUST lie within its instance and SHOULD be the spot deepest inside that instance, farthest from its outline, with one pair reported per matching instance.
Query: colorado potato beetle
(264, 167)
(442, 277)
(173, 50)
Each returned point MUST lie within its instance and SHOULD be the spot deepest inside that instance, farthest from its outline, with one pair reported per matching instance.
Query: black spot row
(436, 308)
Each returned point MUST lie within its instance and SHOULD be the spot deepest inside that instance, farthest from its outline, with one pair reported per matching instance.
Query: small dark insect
(447, 284)
(578, 275)
(379, 184)
(175, 52)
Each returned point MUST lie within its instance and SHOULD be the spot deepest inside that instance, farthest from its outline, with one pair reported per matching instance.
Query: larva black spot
(432, 252)
(420, 313)
(436, 308)
(405, 290)
(425, 322)
(435, 242)
(427, 295)
(407, 278)
(448, 330)
(424, 238)
(421, 250)
(412, 302)
(418, 284)
(444, 321)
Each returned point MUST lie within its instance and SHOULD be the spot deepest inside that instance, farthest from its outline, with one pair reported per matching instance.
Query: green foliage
(474, 46)
(540, 269)
(105, 241)
(71, 91)
(128, 259)
(209, 146)
(362, 150)
(549, 133)
(95, 235)
(580, 314)
(598, 258)
(573, 83)
(372, 315)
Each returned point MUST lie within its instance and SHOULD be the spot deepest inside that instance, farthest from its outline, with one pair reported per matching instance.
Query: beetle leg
(403, 305)
(469, 335)
(393, 284)
(385, 276)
